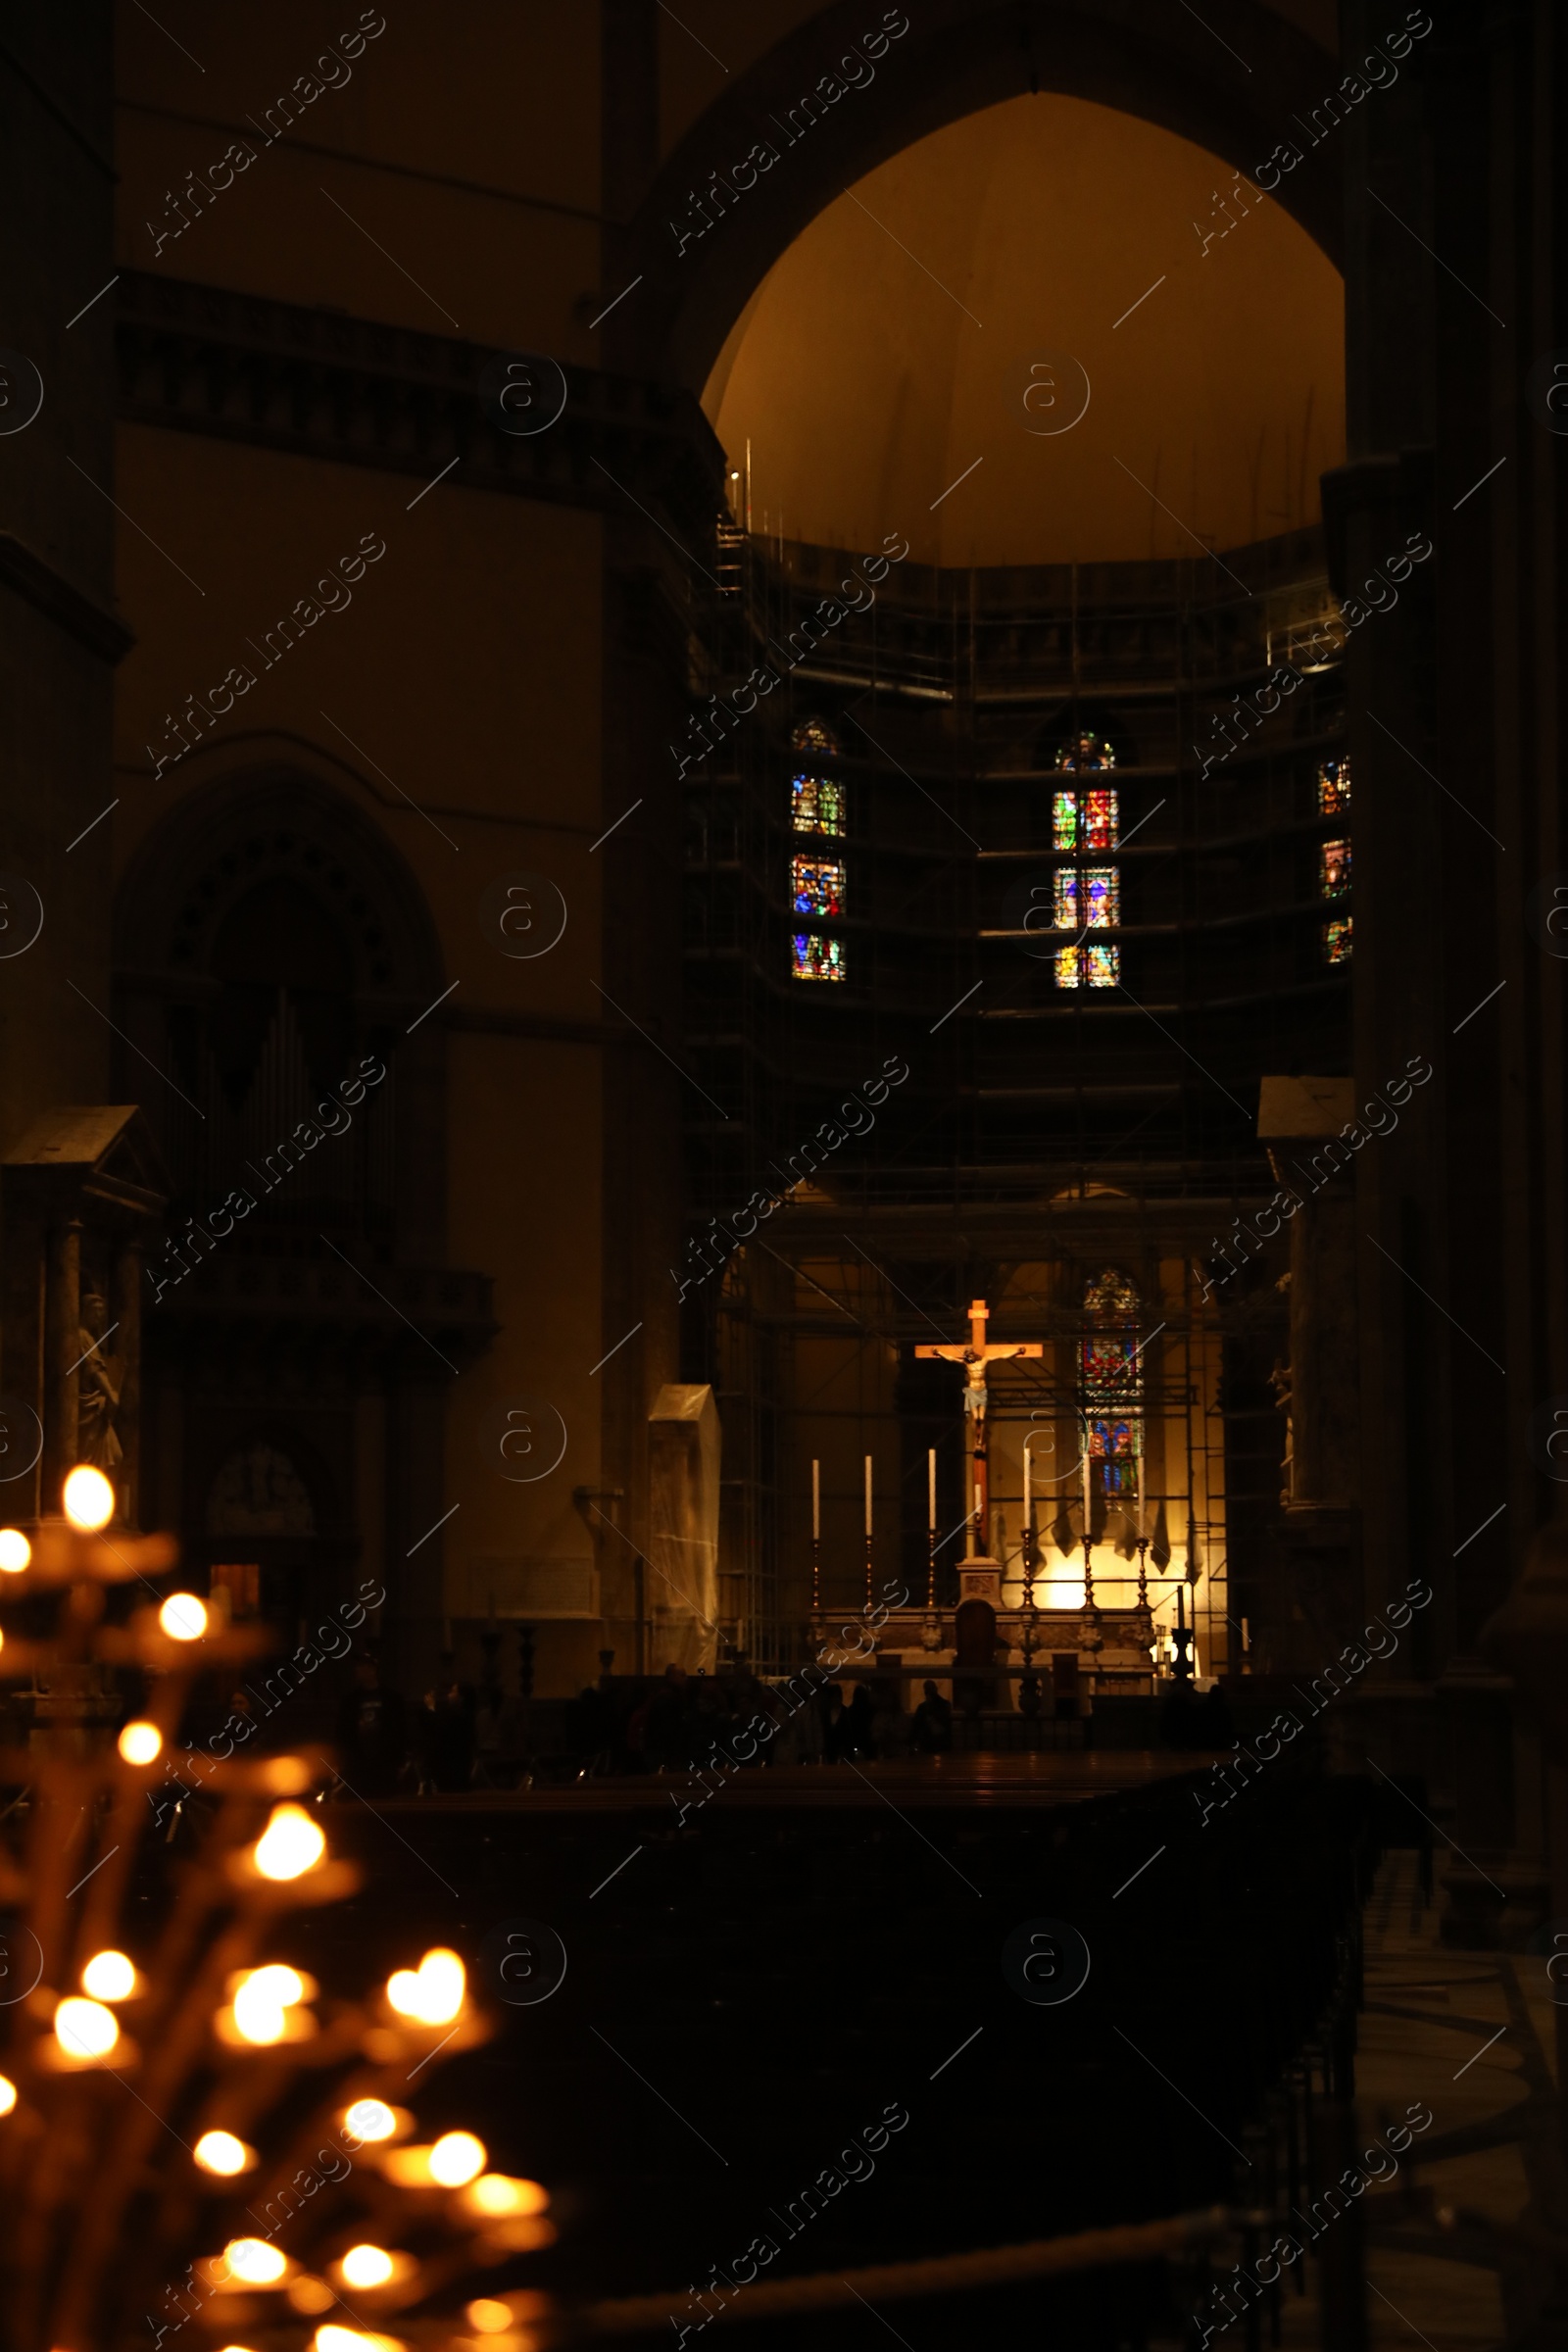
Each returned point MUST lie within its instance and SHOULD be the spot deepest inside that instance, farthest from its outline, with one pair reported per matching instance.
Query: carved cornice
(318, 384)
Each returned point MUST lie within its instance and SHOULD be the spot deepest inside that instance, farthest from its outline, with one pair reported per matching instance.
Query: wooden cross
(974, 1357)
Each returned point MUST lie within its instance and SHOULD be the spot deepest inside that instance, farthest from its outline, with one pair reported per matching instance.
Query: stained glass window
(1109, 1363)
(1064, 820)
(1333, 786)
(1086, 750)
(1334, 871)
(1088, 898)
(1082, 820)
(817, 805)
(816, 957)
(1111, 1383)
(1337, 941)
(1088, 967)
(815, 735)
(1111, 1294)
(818, 886)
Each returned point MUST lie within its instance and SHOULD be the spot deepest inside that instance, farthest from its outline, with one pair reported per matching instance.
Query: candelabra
(189, 2130)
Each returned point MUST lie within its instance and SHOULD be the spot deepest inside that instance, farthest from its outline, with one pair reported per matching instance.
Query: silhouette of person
(858, 1740)
(933, 1723)
(371, 1737)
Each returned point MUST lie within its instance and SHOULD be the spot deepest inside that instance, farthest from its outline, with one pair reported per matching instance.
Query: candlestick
(869, 1531)
(931, 1525)
(816, 1500)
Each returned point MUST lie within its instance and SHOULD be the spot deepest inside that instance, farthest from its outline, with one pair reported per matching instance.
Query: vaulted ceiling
(890, 351)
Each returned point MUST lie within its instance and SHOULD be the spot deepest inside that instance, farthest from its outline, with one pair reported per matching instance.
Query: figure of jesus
(975, 1356)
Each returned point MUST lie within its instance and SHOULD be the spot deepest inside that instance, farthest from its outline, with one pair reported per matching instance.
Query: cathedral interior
(783, 1284)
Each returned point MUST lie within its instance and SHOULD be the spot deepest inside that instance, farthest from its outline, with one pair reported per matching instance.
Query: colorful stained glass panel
(816, 957)
(815, 735)
(1111, 1294)
(1064, 820)
(1110, 1365)
(1100, 821)
(1333, 786)
(1337, 941)
(1086, 750)
(1088, 967)
(817, 805)
(818, 886)
(1334, 869)
(1088, 898)
(1082, 820)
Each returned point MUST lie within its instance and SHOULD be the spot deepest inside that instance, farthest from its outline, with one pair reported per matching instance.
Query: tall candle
(816, 1500)
(1026, 1518)
(931, 1483)
(868, 1495)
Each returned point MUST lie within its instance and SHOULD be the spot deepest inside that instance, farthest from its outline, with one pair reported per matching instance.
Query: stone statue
(100, 1377)
(1280, 1383)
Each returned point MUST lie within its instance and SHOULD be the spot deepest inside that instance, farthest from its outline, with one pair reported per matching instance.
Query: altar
(1014, 1634)
(1020, 1659)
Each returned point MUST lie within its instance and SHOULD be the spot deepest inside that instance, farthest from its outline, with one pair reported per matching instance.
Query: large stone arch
(1142, 57)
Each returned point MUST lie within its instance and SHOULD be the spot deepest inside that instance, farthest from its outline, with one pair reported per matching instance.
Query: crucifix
(974, 1356)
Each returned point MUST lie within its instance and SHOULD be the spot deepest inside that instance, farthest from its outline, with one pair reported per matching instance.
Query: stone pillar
(62, 1348)
(1313, 1596)
(684, 1445)
(125, 1309)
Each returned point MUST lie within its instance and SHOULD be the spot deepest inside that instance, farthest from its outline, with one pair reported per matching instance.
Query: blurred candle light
(456, 2158)
(14, 1551)
(261, 2000)
(370, 2120)
(109, 1976)
(290, 1844)
(88, 1499)
(140, 1742)
(8, 2094)
(431, 1994)
(495, 2194)
(253, 2261)
(367, 2266)
(184, 1617)
(488, 2317)
(86, 2029)
(222, 2154)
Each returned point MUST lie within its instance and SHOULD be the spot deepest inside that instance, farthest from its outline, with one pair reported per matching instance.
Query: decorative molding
(318, 384)
(56, 596)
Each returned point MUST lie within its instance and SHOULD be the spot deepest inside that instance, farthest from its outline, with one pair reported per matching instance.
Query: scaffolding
(1036, 1126)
